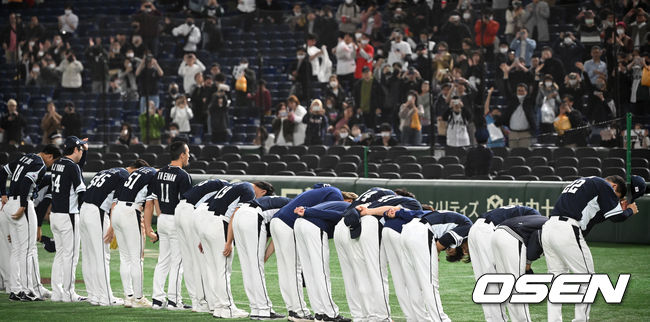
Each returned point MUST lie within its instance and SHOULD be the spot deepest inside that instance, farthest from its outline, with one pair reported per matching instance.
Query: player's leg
(392, 250)
(208, 232)
(63, 232)
(225, 307)
(479, 241)
(201, 257)
(308, 249)
(161, 271)
(182, 220)
(87, 253)
(176, 269)
(581, 263)
(5, 253)
(136, 248)
(555, 236)
(342, 242)
(120, 219)
(18, 231)
(33, 271)
(509, 255)
(104, 274)
(289, 270)
(374, 270)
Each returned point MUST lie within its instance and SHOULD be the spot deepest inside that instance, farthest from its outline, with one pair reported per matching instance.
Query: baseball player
(251, 234)
(365, 277)
(289, 267)
(216, 244)
(390, 246)
(126, 216)
(19, 222)
(515, 245)
(94, 223)
(170, 183)
(188, 238)
(312, 230)
(423, 239)
(582, 204)
(67, 193)
(480, 243)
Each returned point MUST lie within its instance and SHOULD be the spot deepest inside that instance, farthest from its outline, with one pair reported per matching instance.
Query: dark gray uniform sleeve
(534, 248)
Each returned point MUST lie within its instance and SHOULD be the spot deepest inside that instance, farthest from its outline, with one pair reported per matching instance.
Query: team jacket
(228, 198)
(25, 173)
(268, 206)
(101, 191)
(201, 192)
(500, 214)
(448, 227)
(168, 186)
(528, 230)
(326, 215)
(67, 186)
(309, 198)
(352, 218)
(136, 187)
(395, 200)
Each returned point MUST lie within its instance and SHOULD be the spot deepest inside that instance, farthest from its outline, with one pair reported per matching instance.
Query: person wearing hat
(479, 158)
(67, 192)
(22, 278)
(584, 203)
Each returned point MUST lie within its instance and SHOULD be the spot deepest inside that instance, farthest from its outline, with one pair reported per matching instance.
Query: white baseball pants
(289, 267)
(96, 254)
(126, 224)
(169, 262)
(23, 274)
(65, 228)
(188, 241)
(5, 252)
(566, 251)
(250, 237)
(510, 257)
(314, 254)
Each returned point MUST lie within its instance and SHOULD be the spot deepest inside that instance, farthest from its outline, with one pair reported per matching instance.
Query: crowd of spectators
(369, 72)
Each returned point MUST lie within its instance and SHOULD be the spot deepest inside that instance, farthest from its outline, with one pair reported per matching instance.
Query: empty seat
(298, 150)
(251, 158)
(504, 177)
(585, 152)
(353, 158)
(389, 175)
(306, 173)
(501, 152)
(614, 172)
(337, 150)
(257, 168)
(519, 170)
(327, 174)
(151, 158)
(275, 167)
(459, 152)
(535, 161)
(482, 177)
(220, 165)
(617, 153)
(566, 171)
(197, 171)
(432, 171)
(199, 165)
(403, 159)
(328, 162)
(639, 163)
(231, 157)
(510, 162)
(141, 148)
(94, 166)
(449, 159)
(238, 165)
(613, 163)
(311, 160)
(527, 177)
(356, 149)
(590, 172)
(373, 175)
(388, 167)
(346, 167)
(496, 165)
(520, 152)
(457, 176)
(290, 158)
(571, 178)
(279, 149)
(119, 148)
(566, 162)
(643, 172)
(410, 167)
(542, 152)
(563, 152)
(297, 166)
(236, 172)
(216, 171)
(317, 149)
(541, 171)
(113, 164)
(426, 159)
(229, 149)
(209, 153)
(451, 169)
(348, 174)
(155, 149)
(94, 155)
(268, 158)
(589, 162)
(112, 156)
(130, 156)
(550, 178)
(412, 175)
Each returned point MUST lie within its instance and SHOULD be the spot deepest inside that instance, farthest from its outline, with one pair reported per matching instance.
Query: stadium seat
(613, 163)
(319, 150)
(571, 178)
(130, 156)
(550, 178)
(585, 152)
(373, 175)
(617, 153)
(542, 152)
(297, 166)
(496, 165)
(614, 172)
(482, 177)
(353, 158)
(519, 170)
(298, 150)
(356, 149)
(432, 171)
(457, 176)
(306, 174)
(513, 161)
(590, 172)
(389, 175)
(197, 171)
(326, 174)
(155, 149)
(643, 172)
(589, 162)
(639, 163)
(199, 165)
(451, 169)
(328, 162)
(236, 172)
(290, 158)
(389, 167)
(377, 156)
(141, 148)
(230, 149)
(91, 155)
(527, 177)
(268, 158)
(311, 160)
(337, 150)
(504, 177)
(279, 149)
(448, 159)
(535, 161)
(150, 158)
(348, 174)
(346, 167)
(209, 153)
(118, 148)
(412, 175)
(251, 158)
(409, 168)
(230, 157)
(520, 152)
(563, 152)
(403, 159)
(27, 148)
(426, 159)
(94, 165)
(566, 162)
(541, 171)
(221, 165)
(459, 152)
(113, 164)
(257, 168)
(216, 171)
(641, 153)
(237, 165)
(566, 171)
(275, 167)
(112, 156)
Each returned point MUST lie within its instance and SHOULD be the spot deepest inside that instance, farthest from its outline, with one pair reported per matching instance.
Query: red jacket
(490, 31)
(361, 62)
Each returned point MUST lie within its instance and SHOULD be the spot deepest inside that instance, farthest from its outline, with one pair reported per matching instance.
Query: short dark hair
(621, 187)
(70, 150)
(176, 149)
(139, 163)
(568, 97)
(311, 37)
(523, 85)
(52, 150)
(427, 206)
(403, 192)
(265, 186)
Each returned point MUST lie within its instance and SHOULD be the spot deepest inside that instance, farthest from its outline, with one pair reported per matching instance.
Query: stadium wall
(470, 198)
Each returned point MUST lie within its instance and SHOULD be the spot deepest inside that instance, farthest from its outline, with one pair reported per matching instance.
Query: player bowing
(126, 216)
(188, 239)
(582, 204)
(480, 246)
(515, 245)
(250, 228)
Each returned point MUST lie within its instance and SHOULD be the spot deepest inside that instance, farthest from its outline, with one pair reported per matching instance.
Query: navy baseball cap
(638, 187)
(73, 142)
(352, 219)
(320, 185)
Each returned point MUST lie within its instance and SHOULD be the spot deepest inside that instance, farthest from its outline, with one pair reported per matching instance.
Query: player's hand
(227, 250)
(153, 237)
(635, 209)
(39, 233)
(18, 213)
(109, 235)
(362, 210)
(300, 211)
(391, 212)
(201, 247)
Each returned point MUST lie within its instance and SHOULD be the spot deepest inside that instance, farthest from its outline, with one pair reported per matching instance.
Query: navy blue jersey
(269, 205)
(527, 230)
(587, 198)
(43, 191)
(203, 191)
(448, 227)
(136, 187)
(395, 200)
(67, 186)
(500, 214)
(308, 198)
(102, 187)
(226, 200)
(352, 218)
(168, 186)
(326, 215)
(24, 173)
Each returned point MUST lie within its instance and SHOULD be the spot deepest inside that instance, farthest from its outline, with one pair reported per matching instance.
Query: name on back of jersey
(166, 176)
(58, 167)
(26, 160)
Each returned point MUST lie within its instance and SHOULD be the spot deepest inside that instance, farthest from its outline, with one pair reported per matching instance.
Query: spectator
(215, 69)
(368, 97)
(218, 106)
(385, 136)
(371, 21)
(594, 67)
(127, 79)
(536, 17)
(443, 62)
(12, 124)
(269, 11)
(515, 15)
(148, 76)
(296, 20)
(486, 30)
(126, 136)
(547, 103)
(601, 105)
(588, 29)
(609, 136)
(639, 28)
(569, 50)
(638, 136)
(49, 75)
(181, 114)
(400, 50)
(34, 77)
(245, 83)
(68, 22)
(212, 36)
(357, 136)
(316, 123)
(190, 33)
(424, 99)
(423, 62)
(343, 136)
(71, 68)
(349, 16)
(566, 123)
(479, 158)
(282, 127)
(523, 46)
(148, 19)
(199, 100)
(114, 86)
(55, 138)
(58, 49)
(97, 58)
(296, 112)
(188, 68)
(457, 121)
(35, 30)
(334, 90)
(71, 121)
(115, 57)
(263, 139)
(262, 98)
(167, 26)
(454, 31)
(327, 23)
(365, 56)
(301, 75)
(519, 115)
(550, 65)
(51, 122)
(344, 120)
(495, 134)
(246, 10)
(410, 115)
(573, 85)
(173, 133)
(315, 56)
(151, 134)
(345, 56)
(139, 49)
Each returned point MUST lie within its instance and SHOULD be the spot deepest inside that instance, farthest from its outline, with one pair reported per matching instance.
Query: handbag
(548, 112)
(645, 77)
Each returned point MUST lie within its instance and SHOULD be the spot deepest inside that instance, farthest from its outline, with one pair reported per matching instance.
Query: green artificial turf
(456, 285)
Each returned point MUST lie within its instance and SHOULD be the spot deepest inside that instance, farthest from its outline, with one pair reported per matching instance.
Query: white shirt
(71, 19)
(188, 73)
(518, 120)
(299, 127)
(396, 51)
(345, 55)
(246, 6)
(315, 63)
(182, 117)
(194, 35)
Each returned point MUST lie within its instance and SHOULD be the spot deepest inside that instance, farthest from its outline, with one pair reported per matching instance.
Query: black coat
(479, 160)
(512, 104)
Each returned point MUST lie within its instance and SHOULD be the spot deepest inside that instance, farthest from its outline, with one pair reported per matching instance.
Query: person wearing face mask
(536, 18)
(126, 136)
(573, 86)
(600, 104)
(34, 77)
(282, 127)
(316, 123)
(514, 20)
(568, 50)
(301, 75)
(547, 104)
(127, 78)
(334, 89)
(365, 55)
(68, 22)
(519, 115)
(71, 69)
(636, 19)
(457, 119)
(345, 56)
(399, 49)
(190, 33)
(51, 122)
(371, 21)
(218, 107)
(523, 46)
(638, 136)
(49, 75)
(343, 137)
(148, 19)
(181, 114)
(188, 68)
(551, 65)
(410, 115)
(369, 98)
(453, 32)
(384, 138)
(588, 29)
(348, 16)
(173, 134)
(295, 114)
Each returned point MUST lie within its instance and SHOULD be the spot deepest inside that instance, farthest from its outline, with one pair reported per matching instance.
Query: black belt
(424, 221)
(564, 218)
(128, 204)
(487, 221)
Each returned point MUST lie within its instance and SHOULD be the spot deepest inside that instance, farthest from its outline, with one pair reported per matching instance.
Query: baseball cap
(73, 142)
(352, 219)
(638, 187)
(320, 185)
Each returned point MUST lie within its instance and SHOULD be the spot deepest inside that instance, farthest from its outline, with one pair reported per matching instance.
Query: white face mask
(67, 11)
(147, 10)
(333, 84)
(589, 22)
(521, 97)
(282, 114)
(173, 132)
(620, 31)
(51, 65)
(343, 135)
(125, 132)
(58, 141)
(116, 50)
(357, 35)
(356, 133)
(36, 70)
(348, 2)
(385, 134)
(365, 41)
(243, 66)
(568, 41)
(57, 41)
(31, 43)
(572, 82)
(503, 50)
(316, 108)
(548, 84)
(300, 57)
(466, 16)
(41, 54)
(129, 55)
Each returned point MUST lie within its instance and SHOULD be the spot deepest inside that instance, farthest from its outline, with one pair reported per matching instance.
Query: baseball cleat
(295, 317)
(128, 301)
(175, 306)
(142, 303)
(157, 305)
(273, 316)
